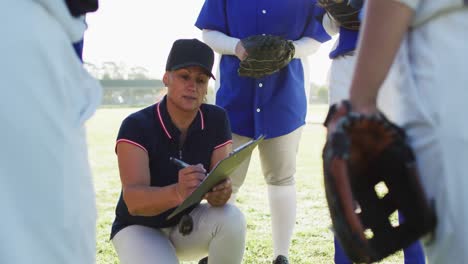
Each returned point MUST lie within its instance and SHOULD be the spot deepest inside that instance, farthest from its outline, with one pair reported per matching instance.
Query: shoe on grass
(280, 259)
(203, 260)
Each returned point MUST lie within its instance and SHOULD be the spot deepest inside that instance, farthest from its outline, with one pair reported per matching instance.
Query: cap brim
(189, 64)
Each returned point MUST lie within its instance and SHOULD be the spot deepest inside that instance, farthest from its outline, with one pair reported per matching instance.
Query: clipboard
(219, 173)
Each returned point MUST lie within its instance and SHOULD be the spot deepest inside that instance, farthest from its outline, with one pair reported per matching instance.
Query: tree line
(117, 71)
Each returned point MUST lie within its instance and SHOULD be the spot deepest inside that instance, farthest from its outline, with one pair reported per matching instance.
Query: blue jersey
(274, 105)
(347, 42)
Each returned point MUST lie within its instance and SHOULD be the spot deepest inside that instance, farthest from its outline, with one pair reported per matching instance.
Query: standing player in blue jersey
(275, 105)
(341, 70)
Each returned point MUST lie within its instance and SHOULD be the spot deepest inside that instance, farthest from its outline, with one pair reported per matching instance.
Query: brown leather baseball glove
(267, 54)
(362, 154)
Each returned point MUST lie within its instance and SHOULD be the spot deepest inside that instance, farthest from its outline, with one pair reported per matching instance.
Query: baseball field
(313, 239)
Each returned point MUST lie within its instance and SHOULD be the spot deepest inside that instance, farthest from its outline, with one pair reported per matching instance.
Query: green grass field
(312, 241)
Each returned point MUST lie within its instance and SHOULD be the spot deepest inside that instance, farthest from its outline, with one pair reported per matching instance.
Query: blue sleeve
(315, 27)
(213, 16)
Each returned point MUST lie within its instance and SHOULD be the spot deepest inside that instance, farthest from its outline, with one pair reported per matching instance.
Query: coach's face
(186, 87)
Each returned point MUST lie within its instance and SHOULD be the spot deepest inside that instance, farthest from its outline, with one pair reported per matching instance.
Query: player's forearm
(150, 201)
(220, 42)
(384, 27)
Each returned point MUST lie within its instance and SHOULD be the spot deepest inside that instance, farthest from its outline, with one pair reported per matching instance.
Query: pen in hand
(178, 162)
(188, 180)
(181, 164)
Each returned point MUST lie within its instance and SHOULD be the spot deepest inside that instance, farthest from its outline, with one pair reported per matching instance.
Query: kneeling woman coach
(180, 126)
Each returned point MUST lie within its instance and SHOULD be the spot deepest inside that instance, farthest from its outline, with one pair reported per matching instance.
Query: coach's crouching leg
(228, 229)
(218, 232)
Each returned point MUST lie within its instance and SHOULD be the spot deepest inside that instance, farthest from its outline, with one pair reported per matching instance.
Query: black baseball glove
(362, 154)
(265, 55)
(344, 12)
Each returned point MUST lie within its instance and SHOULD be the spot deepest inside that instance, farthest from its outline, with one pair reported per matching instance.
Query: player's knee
(280, 181)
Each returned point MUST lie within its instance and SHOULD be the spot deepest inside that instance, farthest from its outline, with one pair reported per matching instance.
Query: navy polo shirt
(152, 130)
(274, 105)
(347, 42)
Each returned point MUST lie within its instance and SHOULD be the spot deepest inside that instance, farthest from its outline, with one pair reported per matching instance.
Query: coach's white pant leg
(218, 232)
(137, 244)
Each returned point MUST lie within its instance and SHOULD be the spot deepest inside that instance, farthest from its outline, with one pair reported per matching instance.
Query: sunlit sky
(141, 33)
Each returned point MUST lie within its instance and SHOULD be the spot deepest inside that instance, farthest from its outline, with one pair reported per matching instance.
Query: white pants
(432, 101)
(46, 192)
(277, 157)
(218, 232)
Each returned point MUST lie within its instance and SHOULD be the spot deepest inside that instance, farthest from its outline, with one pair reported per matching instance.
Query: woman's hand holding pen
(189, 179)
(220, 194)
(190, 176)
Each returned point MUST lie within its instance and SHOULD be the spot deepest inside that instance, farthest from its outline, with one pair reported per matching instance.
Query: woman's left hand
(220, 194)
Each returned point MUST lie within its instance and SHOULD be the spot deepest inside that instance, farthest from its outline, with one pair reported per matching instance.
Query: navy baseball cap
(190, 52)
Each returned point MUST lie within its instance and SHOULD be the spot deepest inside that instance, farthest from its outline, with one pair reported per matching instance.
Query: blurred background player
(339, 81)
(427, 39)
(46, 189)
